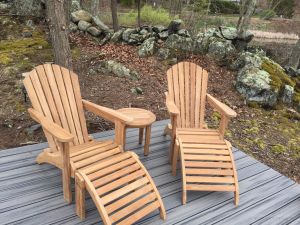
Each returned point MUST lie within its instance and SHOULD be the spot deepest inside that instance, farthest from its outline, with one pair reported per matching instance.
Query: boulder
(100, 24)
(73, 27)
(158, 29)
(32, 129)
(120, 70)
(254, 84)
(221, 50)
(291, 71)
(183, 33)
(246, 58)
(203, 40)
(176, 42)
(147, 48)
(106, 38)
(83, 25)
(163, 35)
(94, 31)
(229, 33)
(75, 5)
(288, 94)
(137, 90)
(163, 53)
(81, 15)
(117, 36)
(126, 34)
(138, 38)
(144, 32)
(4, 6)
(174, 26)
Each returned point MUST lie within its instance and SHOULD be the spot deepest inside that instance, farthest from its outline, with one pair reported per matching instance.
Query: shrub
(128, 19)
(224, 7)
(267, 14)
(148, 15)
(155, 16)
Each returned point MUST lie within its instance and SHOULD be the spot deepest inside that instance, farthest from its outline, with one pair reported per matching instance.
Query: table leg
(141, 135)
(147, 140)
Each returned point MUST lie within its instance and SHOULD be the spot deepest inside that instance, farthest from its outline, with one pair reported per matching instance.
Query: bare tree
(59, 33)
(114, 14)
(139, 12)
(294, 60)
(247, 8)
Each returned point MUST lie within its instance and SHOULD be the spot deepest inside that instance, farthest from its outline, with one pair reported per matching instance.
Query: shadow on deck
(32, 194)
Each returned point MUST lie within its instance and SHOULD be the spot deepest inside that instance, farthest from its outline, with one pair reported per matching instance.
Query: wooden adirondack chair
(204, 152)
(99, 166)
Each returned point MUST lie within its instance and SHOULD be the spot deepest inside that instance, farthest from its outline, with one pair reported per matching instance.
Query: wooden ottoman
(207, 162)
(142, 119)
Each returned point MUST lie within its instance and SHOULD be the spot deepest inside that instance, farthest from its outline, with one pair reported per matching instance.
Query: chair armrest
(107, 113)
(172, 108)
(55, 130)
(220, 107)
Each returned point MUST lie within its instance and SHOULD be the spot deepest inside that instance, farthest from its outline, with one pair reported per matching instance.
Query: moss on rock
(277, 74)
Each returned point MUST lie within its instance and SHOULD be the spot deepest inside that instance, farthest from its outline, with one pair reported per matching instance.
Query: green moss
(75, 53)
(260, 143)
(277, 149)
(253, 104)
(13, 49)
(5, 59)
(216, 116)
(252, 130)
(278, 77)
(296, 98)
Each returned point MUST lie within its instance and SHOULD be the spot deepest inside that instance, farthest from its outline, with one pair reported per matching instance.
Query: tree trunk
(247, 8)
(95, 7)
(114, 14)
(294, 60)
(139, 12)
(59, 33)
(67, 8)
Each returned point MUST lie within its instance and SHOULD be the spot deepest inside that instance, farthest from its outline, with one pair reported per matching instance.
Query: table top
(141, 117)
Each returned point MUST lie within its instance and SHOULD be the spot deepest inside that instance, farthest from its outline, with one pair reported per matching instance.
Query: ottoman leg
(80, 196)
(141, 135)
(147, 141)
(175, 158)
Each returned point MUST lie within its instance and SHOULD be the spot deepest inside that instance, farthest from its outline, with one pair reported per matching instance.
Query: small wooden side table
(142, 119)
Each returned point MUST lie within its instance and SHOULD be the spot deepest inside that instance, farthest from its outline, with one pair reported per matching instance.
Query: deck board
(32, 193)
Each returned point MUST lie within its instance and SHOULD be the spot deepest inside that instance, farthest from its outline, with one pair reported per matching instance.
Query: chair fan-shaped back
(54, 91)
(187, 86)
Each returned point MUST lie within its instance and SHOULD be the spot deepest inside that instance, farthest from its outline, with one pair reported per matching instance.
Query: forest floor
(271, 136)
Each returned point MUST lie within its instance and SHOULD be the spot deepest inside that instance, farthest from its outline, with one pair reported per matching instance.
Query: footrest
(121, 188)
(207, 162)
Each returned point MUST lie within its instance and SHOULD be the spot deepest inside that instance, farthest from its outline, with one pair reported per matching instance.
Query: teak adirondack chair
(206, 158)
(118, 183)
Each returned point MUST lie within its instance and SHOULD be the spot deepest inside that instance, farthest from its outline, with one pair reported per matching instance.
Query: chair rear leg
(80, 196)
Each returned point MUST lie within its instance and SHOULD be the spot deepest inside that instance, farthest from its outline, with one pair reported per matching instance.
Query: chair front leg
(120, 133)
(173, 136)
(80, 196)
(66, 172)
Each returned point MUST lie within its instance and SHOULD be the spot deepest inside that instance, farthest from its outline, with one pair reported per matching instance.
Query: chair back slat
(187, 84)
(54, 91)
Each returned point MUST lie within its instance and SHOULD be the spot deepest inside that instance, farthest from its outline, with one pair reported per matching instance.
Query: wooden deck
(32, 194)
